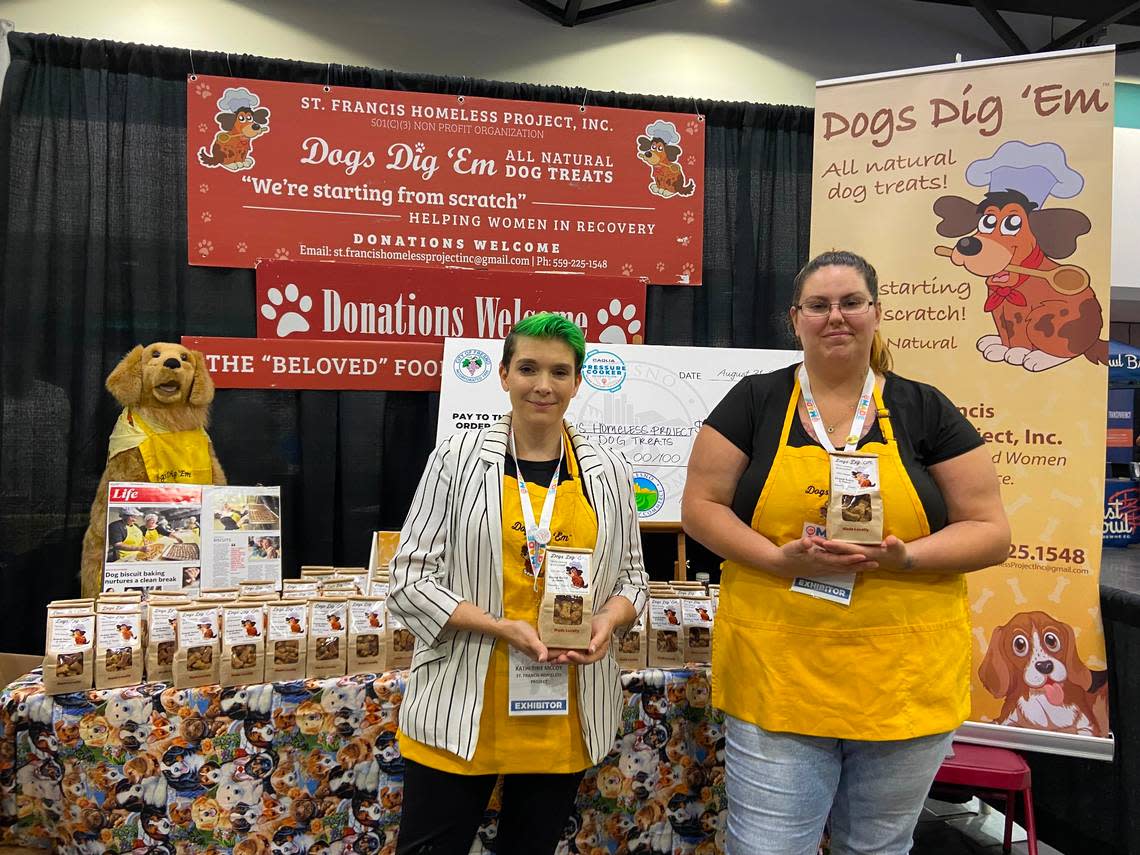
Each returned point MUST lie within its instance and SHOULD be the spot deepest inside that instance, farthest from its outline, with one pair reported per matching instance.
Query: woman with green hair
(486, 696)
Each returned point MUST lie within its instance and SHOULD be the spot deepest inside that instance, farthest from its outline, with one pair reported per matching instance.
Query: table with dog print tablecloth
(313, 766)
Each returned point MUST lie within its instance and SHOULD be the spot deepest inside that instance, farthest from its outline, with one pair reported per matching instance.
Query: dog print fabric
(312, 766)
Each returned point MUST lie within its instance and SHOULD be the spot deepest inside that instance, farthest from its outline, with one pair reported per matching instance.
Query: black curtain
(93, 261)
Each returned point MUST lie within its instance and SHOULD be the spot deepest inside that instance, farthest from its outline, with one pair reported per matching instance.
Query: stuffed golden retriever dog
(160, 436)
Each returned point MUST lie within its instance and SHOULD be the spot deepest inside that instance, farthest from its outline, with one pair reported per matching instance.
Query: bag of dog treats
(162, 638)
(567, 600)
(252, 589)
(696, 628)
(357, 575)
(69, 662)
(855, 506)
(243, 644)
(632, 649)
(196, 657)
(665, 633)
(217, 595)
(401, 642)
(287, 640)
(379, 586)
(300, 589)
(328, 637)
(119, 651)
(367, 635)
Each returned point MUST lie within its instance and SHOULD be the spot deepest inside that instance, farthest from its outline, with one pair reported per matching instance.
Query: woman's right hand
(804, 557)
(523, 637)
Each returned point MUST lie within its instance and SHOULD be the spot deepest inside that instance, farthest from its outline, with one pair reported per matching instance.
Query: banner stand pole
(680, 571)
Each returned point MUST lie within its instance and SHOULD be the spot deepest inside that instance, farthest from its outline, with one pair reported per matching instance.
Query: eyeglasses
(848, 307)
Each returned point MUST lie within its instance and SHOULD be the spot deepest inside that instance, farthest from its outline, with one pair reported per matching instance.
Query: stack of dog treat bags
(680, 623)
(331, 622)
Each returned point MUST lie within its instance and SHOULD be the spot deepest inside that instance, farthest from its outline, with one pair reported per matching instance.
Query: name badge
(537, 688)
(835, 589)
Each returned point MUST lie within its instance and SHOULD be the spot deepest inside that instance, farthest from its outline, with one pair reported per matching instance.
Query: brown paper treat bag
(287, 640)
(696, 628)
(665, 648)
(855, 505)
(118, 645)
(216, 595)
(328, 637)
(71, 606)
(367, 635)
(401, 642)
(567, 600)
(69, 660)
(199, 634)
(162, 639)
(632, 649)
(243, 644)
(253, 589)
(300, 589)
(379, 586)
(310, 571)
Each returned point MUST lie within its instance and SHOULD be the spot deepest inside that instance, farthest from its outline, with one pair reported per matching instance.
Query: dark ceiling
(1095, 17)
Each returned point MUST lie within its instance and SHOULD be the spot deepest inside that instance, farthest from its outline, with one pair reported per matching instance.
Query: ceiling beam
(573, 13)
(570, 14)
(999, 25)
(1079, 32)
(545, 7)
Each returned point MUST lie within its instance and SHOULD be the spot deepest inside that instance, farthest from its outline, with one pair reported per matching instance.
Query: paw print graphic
(660, 266)
(203, 188)
(692, 126)
(241, 247)
(691, 160)
(281, 254)
(627, 270)
(203, 127)
(687, 268)
(688, 217)
(419, 148)
(205, 247)
(207, 216)
(621, 322)
(203, 91)
(280, 307)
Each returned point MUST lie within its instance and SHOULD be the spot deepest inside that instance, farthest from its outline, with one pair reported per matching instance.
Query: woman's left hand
(891, 554)
(602, 629)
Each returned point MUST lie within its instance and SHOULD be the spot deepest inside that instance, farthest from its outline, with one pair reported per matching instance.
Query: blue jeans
(781, 787)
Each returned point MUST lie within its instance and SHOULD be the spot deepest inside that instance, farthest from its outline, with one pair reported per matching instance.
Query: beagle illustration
(250, 628)
(334, 622)
(242, 121)
(374, 619)
(207, 630)
(125, 630)
(1032, 663)
(79, 636)
(1045, 313)
(294, 624)
(575, 573)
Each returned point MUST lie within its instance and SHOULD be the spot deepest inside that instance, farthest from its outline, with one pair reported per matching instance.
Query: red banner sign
(289, 171)
(257, 363)
(317, 300)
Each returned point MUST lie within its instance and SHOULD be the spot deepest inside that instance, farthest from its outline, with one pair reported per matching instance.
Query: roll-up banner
(982, 194)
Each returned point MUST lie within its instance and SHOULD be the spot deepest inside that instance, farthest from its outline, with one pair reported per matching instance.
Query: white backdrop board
(649, 401)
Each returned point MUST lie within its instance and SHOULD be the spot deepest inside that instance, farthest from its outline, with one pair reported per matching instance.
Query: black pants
(442, 811)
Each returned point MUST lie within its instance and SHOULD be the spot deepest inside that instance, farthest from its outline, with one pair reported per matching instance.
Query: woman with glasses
(844, 668)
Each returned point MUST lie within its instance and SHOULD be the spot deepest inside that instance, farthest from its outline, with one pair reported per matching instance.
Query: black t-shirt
(928, 428)
(540, 471)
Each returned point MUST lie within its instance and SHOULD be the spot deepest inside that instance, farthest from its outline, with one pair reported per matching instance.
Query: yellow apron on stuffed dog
(181, 457)
(894, 664)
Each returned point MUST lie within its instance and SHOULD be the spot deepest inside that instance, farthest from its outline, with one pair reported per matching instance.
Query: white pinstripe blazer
(451, 550)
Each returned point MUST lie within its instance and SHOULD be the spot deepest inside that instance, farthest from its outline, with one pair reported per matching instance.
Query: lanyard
(856, 423)
(537, 534)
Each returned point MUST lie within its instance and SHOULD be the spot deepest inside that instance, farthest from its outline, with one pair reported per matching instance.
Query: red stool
(993, 772)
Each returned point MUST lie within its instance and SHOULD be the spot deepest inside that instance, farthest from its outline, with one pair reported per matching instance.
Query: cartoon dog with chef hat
(242, 120)
(1045, 313)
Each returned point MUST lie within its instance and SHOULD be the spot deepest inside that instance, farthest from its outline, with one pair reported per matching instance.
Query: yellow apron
(134, 538)
(524, 744)
(894, 664)
(181, 457)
